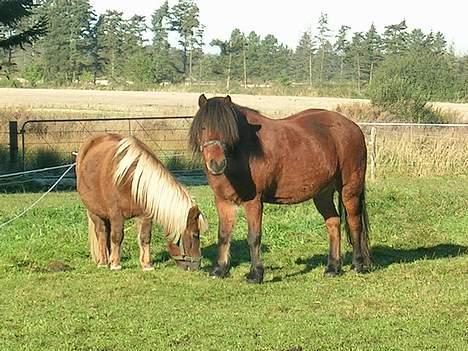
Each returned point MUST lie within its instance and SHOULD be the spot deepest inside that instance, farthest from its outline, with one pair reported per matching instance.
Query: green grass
(53, 298)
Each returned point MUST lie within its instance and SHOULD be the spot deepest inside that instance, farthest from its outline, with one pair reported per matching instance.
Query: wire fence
(394, 148)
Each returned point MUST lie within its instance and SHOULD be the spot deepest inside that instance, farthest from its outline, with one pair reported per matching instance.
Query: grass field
(53, 298)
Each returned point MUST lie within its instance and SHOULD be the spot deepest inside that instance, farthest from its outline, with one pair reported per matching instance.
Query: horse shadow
(385, 256)
(240, 253)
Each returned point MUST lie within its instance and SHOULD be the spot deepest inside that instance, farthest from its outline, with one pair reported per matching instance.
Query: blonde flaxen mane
(154, 188)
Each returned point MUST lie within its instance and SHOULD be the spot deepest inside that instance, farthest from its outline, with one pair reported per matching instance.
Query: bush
(404, 85)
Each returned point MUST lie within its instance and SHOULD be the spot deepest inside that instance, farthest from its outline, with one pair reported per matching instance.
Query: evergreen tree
(12, 13)
(323, 33)
(162, 66)
(184, 21)
(395, 38)
(303, 59)
(67, 47)
(341, 48)
(110, 39)
(18, 26)
(373, 54)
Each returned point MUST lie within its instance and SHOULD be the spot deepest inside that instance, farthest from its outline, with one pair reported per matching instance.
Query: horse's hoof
(148, 268)
(220, 272)
(361, 268)
(332, 272)
(255, 275)
(117, 267)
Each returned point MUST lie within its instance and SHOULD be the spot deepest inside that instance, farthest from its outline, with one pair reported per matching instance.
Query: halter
(213, 142)
(176, 239)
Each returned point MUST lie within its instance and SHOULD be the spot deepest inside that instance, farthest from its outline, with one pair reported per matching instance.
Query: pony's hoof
(255, 276)
(102, 265)
(332, 272)
(117, 267)
(220, 272)
(148, 268)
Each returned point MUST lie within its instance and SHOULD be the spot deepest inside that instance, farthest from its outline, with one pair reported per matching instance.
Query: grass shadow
(385, 256)
(239, 253)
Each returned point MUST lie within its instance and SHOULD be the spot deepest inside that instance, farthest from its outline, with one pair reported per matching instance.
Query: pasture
(52, 297)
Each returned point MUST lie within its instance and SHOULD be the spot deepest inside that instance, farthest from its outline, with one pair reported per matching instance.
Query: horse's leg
(227, 219)
(101, 228)
(253, 213)
(353, 201)
(144, 240)
(116, 235)
(326, 207)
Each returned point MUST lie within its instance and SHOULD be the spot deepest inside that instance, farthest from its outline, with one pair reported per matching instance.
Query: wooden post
(13, 143)
(373, 153)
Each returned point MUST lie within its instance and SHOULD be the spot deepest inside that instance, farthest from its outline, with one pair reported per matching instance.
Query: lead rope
(22, 213)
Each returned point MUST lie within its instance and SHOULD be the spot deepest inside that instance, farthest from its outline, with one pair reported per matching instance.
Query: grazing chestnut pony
(251, 159)
(120, 178)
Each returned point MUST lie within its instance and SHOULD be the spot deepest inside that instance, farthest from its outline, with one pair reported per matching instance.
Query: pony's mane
(154, 188)
(215, 116)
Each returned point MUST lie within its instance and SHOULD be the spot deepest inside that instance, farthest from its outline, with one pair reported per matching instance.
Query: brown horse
(120, 178)
(251, 159)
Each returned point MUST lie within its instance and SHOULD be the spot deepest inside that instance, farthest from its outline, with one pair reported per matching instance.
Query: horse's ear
(202, 100)
(228, 101)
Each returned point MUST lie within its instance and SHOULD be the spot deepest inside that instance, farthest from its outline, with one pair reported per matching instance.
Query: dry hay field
(69, 102)
(410, 151)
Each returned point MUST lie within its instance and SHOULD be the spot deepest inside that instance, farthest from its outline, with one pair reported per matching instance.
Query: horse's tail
(92, 239)
(365, 227)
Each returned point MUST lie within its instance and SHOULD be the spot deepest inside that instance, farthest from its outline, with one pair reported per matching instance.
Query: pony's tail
(365, 228)
(92, 239)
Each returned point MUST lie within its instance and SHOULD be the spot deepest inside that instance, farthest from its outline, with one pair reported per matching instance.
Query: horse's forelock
(217, 117)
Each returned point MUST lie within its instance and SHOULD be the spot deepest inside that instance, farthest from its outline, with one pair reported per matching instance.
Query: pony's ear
(228, 101)
(202, 100)
(202, 223)
(195, 216)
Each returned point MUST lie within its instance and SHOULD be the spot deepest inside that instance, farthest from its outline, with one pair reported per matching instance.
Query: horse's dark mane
(215, 115)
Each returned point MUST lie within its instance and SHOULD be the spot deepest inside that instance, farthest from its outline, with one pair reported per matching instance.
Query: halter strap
(176, 239)
(212, 142)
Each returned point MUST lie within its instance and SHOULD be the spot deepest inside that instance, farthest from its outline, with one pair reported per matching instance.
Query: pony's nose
(216, 167)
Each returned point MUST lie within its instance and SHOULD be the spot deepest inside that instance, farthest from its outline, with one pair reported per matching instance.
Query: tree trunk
(322, 59)
(228, 80)
(371, 73)
(341, 68)
(358, 74)
(245, 69)
(310, 69)
(190, 66)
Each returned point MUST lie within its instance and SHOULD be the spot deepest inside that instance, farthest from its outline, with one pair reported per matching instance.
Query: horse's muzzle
(215, 167)
(188, 265)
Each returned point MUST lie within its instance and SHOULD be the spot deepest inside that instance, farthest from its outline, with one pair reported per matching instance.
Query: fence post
(373, 153)
(13, 127)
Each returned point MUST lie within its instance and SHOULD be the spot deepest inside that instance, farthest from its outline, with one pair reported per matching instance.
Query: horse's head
(185, 249)
(215, 131)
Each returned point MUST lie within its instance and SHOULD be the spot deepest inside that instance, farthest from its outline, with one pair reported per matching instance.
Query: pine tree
(18, 27)
(67, 47)
(323, 33)
(303, 58)
(110, 38)
(341, 47)
(184, 21)
(163, 67)
(395, 38)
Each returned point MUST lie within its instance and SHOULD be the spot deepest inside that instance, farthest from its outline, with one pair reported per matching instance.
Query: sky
(288, 20)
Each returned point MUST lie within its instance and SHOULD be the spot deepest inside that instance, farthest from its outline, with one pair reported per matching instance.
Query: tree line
(75, 46)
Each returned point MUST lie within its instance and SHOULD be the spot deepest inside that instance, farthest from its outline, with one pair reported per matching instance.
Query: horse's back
(307, 151)
(95, 167)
